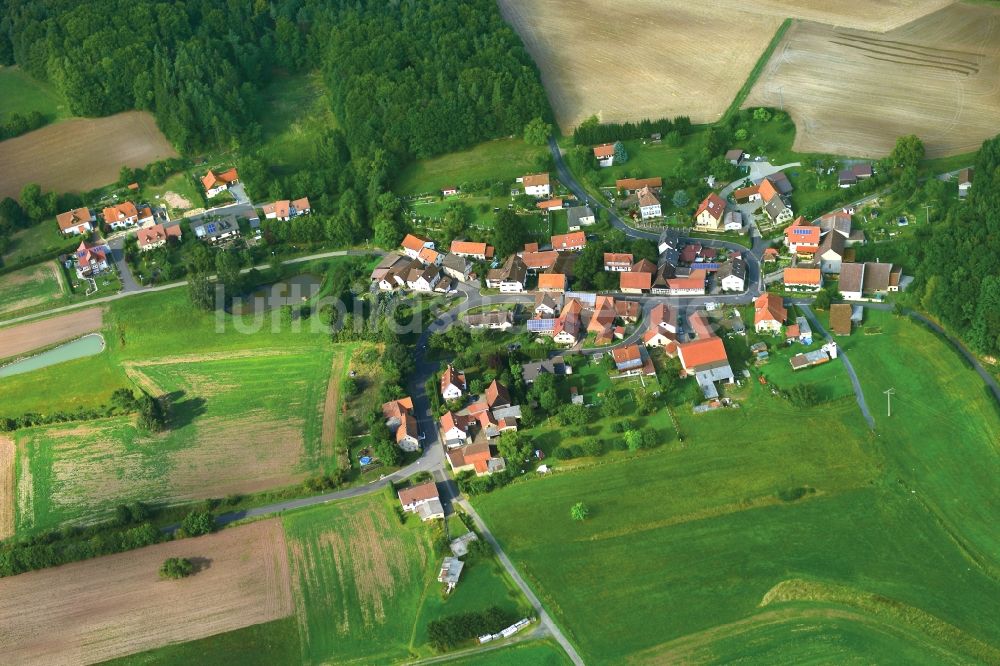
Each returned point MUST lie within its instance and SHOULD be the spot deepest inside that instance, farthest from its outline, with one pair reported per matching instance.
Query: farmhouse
(691, 285)
(605, 154)
(76, 221)
(810, 279)
(707, 361)
(571, 242)
(662, 330)
(452, 384)
(423, 278)
(412, 245)
(217, 229)
(285, 210)
(498, 320)
(732, 275)
(579, 216)
(616, 262)
(400, 421)
(509, 278)
(91, 260)
(964, 182)
(456, 267)
(480, 251)
(388, 268)
(552, 282)
(536, 185)
(870, 279)
(710, 213)
(219, 182)
(830, 252)
(423, 499)
(535, 260)
(769, 313)
(156, 236)
(649, 204)
(633, 185)
(454, 428)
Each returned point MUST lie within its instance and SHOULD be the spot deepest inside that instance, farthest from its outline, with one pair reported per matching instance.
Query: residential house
(769, 313)
(156, 236)
(547, 305)
(219, 182)
(77, 221)
(423, 278)
(734, 156)
(632, 360)
(732, 275)
(706, 360)
(670, 240)
(422, 499)
(536, 185)
(550, 204)
(571, 242)
(452, 384)
(285, 210)
(552, 366)
(663, 328)
(121, 216)
(509, 278)
(802, 238)
(412, 245)
(451, 570)
(839, 221)
(710, 213)
(552, 282)
(454, 429)
(803, 279)
(478, 457)
(830, 252)
(870, 279)
(217, 229)
(636, 282)
(579, 216)
(803, 332)
(456, 267)
(633, 185)
(852, 277)
(770, 254)
(480, 251)
(91, 259)
(498, 320)
(389, 266)
(497, 395)
(840, 318)
(617, 262)
(778, 211)
(566, 330)
(649, 204)
(733, 221)
(644, 266)
(964, 182)
(535, 261)
(449, 191)
(691, 285)
(429, 256)
(605, 154)
(401, 422)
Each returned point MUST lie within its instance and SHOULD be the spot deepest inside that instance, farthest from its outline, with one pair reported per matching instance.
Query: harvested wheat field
(82, 153)
(21, 338)
(853, 93)
(7, 455)
(117, 605)
(663, 58)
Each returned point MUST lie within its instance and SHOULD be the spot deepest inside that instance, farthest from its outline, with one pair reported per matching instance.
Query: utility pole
(888, 401)
(927, 209)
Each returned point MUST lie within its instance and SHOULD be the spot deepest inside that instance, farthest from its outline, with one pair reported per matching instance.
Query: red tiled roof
(644, 266)
(415, 243)
(638, 183)
(156, 233)
(573, 239)
(630, 280)
(452, 376)
(621, 258)
(769, 307)
(496, 393)
(715, 206)
(552, 281)
(549, 203)
(469, 247)
(706, 351)
(73, 218)
(809, 276)
(604, 150)
(422, 493)
(211, 179)
(536, 260)
(767, 190)
(118, 212)
(626, 354)
(535, 179)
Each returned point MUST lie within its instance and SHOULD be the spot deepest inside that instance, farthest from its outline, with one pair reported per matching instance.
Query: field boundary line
(758, 69)
(329, 429)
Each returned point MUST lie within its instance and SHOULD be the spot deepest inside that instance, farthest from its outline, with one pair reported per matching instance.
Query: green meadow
(535, 653)
(500, 159)
(772, 513)
(20, 93)
(31, 287)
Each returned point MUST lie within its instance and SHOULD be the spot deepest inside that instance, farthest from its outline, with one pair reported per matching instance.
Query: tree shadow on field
(199, 564)
(184, 410)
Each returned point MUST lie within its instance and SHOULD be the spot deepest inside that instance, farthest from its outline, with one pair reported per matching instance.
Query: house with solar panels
(216, 229)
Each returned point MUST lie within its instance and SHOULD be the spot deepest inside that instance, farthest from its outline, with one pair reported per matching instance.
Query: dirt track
(637, 59)
(6, 487)
(21, 338)
(113, 606)
(331, 404)
(82, 153)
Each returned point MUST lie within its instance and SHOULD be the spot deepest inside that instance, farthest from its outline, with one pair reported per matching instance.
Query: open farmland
(853, 92)
(21, 338)
(888, 540)
(7, 456)
(29, 287)
(111, 606)
(82, 153)
(664, 58)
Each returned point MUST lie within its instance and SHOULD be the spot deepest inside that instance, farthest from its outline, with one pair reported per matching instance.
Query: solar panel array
(541, 325)
(803, 232)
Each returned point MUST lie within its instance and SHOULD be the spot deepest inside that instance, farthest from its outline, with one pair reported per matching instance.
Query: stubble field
(664, 58)
(30, 287)
(113, 606)
(853, 92)
(82, 153)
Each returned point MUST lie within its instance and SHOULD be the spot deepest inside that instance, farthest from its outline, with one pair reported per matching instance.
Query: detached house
(412, 245)
(870, 279)
(710, 213)
(77, 221)
(706, 360)
(579, 216)
(121, 215)
(802, 238)
(480, 251)
(452, 384)
(509, 278)
(662, 330)
(285, 209)
(400, 420)
(605, 154)
(649, 204)
(571, 242)
(477, 457)
(769, 313)
(156, 236)
(536, 185)
(454, 429)
(803, 279)
(91, 260)
(632, 360)
(830, 252)
(422, 500)
(215, 183)
(615, 262)
(732, 275)
(456, 267)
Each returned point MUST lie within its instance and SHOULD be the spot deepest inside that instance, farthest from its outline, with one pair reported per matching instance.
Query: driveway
(117, 246)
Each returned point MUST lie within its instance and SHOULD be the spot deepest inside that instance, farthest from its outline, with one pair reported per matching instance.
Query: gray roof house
(578, 216)
(553, 366)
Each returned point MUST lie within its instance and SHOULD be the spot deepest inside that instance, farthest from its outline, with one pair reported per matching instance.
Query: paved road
(842, 355)
(117, 246)
(758, 170)
(509, 566)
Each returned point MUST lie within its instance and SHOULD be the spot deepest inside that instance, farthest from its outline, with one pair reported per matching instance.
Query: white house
(509, 278)
(732, 275)
(649, 205)
(605, 154)
(412, 245)
(454, 429)
(216, 183)
(769, 313)
(423, 278)
(423, 500)
(121, 216)
(734, 221)
(536, 185)
(710, 213)
(452, 384)
(91, 259)
(617, 262)
(77, 221)
(150, 238)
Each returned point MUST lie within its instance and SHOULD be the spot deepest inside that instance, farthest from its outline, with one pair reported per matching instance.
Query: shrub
(176, 567)
(593, 447)
(579, 511)
(449, 631)
(197, 523)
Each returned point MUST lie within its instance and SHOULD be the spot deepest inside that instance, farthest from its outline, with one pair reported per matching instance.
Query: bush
(197, 523)
(176, 567)
(593, 447)
(448, 632)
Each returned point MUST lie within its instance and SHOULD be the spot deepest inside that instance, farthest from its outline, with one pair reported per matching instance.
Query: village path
(841, 354)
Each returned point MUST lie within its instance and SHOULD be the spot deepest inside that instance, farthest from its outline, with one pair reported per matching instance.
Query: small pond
(293, 291)
(88, 345)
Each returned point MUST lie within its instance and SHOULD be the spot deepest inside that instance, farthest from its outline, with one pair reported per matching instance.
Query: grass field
(50, 156)
(935, 77)
(19, 93)
(857, 564)
(535, 653)
(296, 111)
(30, 287)
(43, 238)
(178, 192)
(501, 159)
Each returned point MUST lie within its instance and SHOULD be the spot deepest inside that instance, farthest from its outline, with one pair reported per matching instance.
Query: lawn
(702, 531)
(428, 212)
(21, 93)
(535, 653)
(37, 285)
(181, 184)
(42, 239)
(646, 159)
(295, 111)
(500, 159)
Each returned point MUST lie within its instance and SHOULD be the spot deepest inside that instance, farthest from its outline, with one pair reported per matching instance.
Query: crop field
(82, 153)
(501, 159)
(20, 338)
(7, 456)
(359, 578)
(20, 93)
(112, 606)
(655, 58)
(536, 653)
(30, 287)
(935, 77)
(887, 539)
